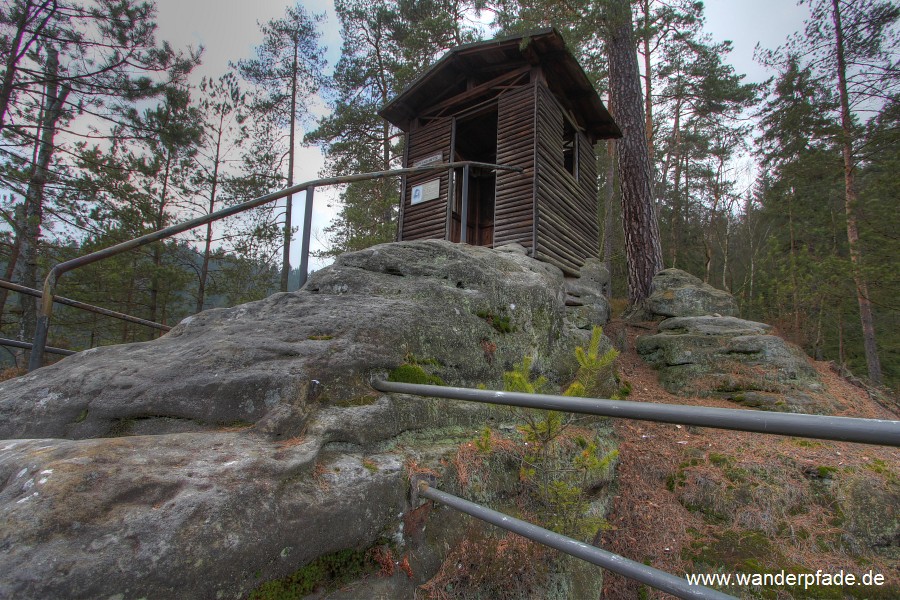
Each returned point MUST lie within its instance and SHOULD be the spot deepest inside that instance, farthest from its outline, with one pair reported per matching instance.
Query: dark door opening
(475, 139)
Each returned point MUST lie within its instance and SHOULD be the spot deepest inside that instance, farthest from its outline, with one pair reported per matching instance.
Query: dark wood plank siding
(514, 203)
(567, 208)
(427, 220)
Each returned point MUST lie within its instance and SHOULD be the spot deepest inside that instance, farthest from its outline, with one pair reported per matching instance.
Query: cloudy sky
(228, 31)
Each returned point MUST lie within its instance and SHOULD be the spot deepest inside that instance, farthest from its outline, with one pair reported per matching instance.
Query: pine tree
(642, 244)
(163, 159)
(385, 45)
(63, 59)
(222, 106)
(287, 69)
(853, 46)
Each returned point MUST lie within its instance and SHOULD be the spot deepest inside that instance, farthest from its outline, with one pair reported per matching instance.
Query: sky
(228, 30)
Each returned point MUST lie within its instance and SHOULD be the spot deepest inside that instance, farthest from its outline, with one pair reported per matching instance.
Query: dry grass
(469, 458)
(383, 556)
(414, 468)
(404, 566)
(319, 472)
(290, 442)
(650, 522)
(507, 566)
(11, 372)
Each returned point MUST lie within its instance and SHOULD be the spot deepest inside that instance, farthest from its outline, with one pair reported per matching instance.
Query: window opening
(570, 148)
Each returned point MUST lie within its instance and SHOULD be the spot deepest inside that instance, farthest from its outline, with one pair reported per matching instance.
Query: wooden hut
(520, 101)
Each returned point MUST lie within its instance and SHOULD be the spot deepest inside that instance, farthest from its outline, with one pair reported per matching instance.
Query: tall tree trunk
(27, 266)
(204, 268)
(726, 248)
(288, 205)
(642, 247)
(129, 300)
(842, 358)
(648, 84)
(795, 288)
(681, 206)
(10, 271)
(850, 200)
(710, 230)
(675, 225)
(608, 212)
(17, 49)
(157, 247)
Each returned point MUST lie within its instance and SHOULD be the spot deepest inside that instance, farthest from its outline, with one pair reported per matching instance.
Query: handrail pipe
(42, 327)
(842, 429)
(660, 580)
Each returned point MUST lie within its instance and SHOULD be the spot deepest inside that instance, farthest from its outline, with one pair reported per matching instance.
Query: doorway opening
(475, 138)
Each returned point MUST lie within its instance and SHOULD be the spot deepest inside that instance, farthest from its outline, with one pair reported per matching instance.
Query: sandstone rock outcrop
(276, 359)
(247, 441)
(676, 293)
(724, 356)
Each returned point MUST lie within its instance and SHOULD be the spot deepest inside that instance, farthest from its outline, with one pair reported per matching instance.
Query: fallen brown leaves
(650, 524)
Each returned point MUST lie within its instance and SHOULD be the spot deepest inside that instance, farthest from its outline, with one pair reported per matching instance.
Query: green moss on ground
(330, 572)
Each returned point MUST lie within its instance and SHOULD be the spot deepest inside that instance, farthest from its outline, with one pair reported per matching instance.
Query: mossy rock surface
(733, 359)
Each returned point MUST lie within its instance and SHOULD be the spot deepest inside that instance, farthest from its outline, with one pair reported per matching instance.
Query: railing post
(307, 231)
(464, 212)
(42, 328)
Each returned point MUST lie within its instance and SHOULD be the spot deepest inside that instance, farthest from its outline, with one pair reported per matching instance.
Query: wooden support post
(307, 231)
(464, 210)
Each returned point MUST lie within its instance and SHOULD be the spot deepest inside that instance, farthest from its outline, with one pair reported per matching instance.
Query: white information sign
(427, 191)
(434, 158)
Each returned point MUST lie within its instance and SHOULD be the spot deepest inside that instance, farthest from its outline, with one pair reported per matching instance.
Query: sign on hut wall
(428, 160)
(427, 191)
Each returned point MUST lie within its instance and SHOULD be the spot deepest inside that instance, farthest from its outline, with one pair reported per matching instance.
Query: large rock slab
(247, 441)
(277, 359)
(144, 519)
(732, 358)
(676, 293)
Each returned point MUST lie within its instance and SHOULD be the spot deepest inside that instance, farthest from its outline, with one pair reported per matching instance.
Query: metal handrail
(15, 287)
(27, 346)
(661, 580)
(43, 324)
(847, 429)
(843, 429)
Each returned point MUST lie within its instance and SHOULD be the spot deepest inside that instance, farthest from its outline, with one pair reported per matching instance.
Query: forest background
(783, 192)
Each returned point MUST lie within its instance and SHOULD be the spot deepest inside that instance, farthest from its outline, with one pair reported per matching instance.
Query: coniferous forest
(784, 193)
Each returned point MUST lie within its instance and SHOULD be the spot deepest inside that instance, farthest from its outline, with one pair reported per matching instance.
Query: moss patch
(329, 572)
(364, 400)
(120, 427)
(499, 322)
(407, 373)
(737, 550)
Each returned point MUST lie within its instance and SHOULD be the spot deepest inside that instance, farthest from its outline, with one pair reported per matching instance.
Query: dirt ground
(694, 499)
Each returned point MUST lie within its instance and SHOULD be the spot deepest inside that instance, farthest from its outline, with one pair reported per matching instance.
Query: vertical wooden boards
(567, 229)
(513, 208)
(426, 220)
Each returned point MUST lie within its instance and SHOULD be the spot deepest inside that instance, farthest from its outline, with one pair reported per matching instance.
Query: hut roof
(487, 60)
